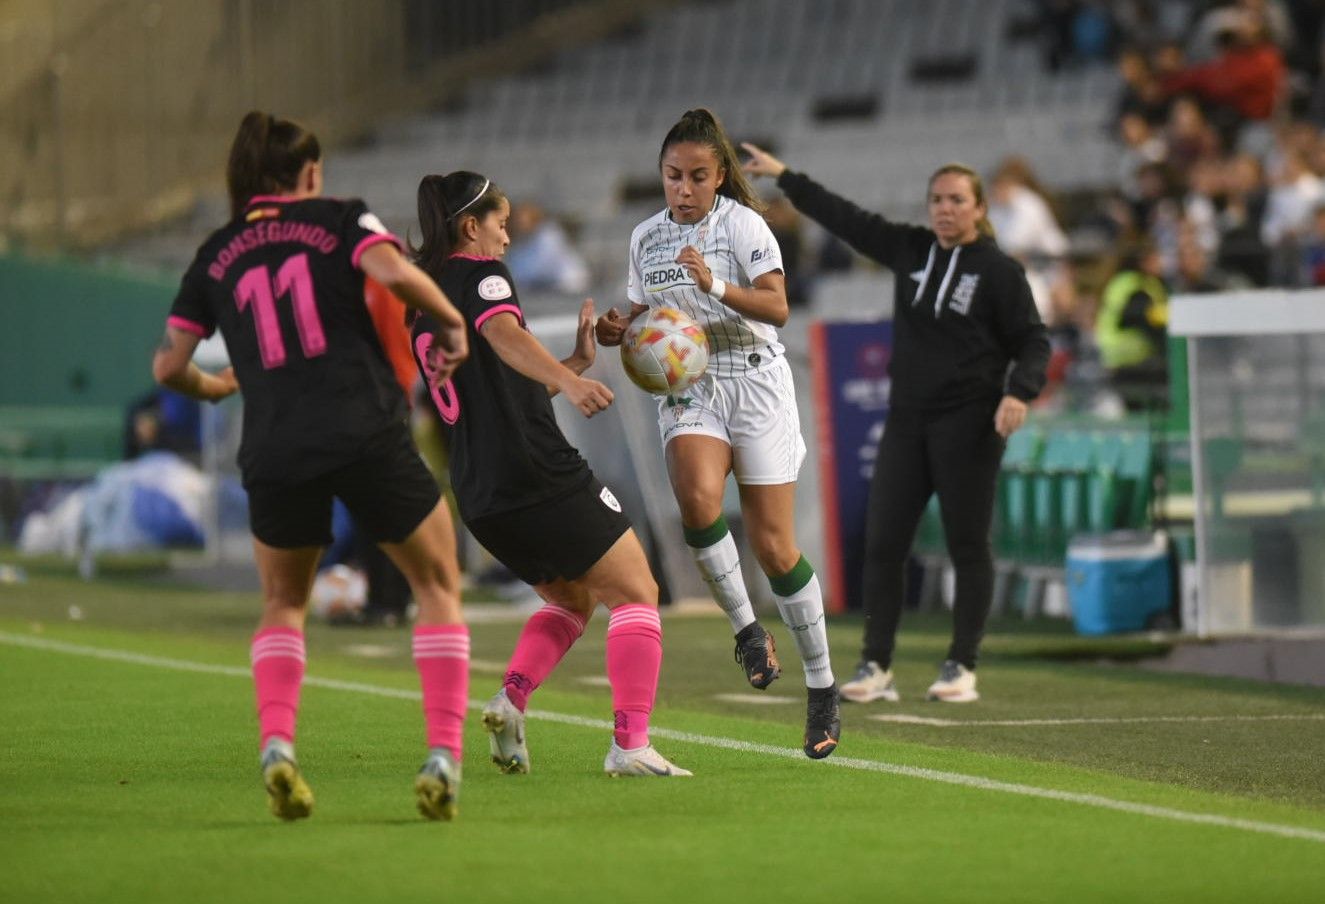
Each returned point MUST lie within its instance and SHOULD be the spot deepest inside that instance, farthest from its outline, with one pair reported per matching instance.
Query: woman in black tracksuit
(969, 354)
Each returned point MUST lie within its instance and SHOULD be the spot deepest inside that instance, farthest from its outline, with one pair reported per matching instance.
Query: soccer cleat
(288, 795)
(823, 723)
(871, 683)
(641, 761)
(757, 653)
(437, 786)
(505, 727)
(955, 684)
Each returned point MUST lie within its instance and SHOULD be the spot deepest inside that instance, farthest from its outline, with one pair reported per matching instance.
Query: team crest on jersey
(667, 276)
(964, 293)
(494, 288)
(609, 500)
(370, 222)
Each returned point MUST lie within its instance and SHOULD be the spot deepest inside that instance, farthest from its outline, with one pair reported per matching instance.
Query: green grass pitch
(128, 772)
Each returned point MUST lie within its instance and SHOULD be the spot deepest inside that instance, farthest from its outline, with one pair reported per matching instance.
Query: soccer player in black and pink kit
(323, 416)
(522, 489)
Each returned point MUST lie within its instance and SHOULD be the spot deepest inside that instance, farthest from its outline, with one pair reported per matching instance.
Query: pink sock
(441, 654)
(634, 656)
(546, 637)
(277, 655)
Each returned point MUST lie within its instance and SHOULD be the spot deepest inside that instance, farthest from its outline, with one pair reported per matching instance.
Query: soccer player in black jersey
(523, 490)
(323, 416)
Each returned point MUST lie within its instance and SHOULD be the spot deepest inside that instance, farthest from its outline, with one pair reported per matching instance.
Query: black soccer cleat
(823, 724)
(757, 654)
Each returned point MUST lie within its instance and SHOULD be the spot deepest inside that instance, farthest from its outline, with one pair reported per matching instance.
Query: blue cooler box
(1117, 581)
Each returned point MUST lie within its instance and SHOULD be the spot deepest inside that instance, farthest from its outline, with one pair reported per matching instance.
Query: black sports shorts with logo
(387, 489)
(559, 538)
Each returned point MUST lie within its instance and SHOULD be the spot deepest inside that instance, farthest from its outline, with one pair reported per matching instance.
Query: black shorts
(558, 538)
(387, 490)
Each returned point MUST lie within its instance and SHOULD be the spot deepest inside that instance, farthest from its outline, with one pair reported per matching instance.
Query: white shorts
(754, 414)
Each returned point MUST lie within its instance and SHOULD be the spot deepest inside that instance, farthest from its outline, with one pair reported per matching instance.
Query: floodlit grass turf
(127, 782)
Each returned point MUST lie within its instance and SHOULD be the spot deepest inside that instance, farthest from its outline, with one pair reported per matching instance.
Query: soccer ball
(338, 591)
(664, 351)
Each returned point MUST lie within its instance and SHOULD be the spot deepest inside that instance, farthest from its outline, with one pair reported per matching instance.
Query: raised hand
(761, 162)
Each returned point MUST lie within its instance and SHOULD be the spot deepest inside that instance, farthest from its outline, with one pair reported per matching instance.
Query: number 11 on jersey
(257, 288)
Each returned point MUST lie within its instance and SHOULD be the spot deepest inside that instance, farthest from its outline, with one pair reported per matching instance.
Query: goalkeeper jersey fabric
(282, 283)
(506, 450)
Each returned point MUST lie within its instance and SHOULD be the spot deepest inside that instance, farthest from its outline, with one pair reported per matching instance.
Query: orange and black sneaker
(823, 724)
(757, 654)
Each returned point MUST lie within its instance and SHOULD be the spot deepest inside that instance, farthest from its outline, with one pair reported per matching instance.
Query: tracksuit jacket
(965, 327)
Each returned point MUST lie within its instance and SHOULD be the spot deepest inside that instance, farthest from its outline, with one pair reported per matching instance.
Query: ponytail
(701, 126)
(445, 202)
(266, 157)
(983, 226)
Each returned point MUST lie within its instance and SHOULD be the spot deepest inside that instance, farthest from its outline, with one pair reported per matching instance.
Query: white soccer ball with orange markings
(664, 351)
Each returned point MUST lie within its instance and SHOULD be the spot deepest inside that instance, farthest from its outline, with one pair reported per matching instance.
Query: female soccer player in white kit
(710, 254)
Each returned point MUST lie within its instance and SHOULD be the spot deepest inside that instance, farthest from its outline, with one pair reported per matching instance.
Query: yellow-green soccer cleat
(288, 795)
(437, 786)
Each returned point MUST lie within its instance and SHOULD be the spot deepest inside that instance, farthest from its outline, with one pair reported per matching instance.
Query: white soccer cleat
(869, 684)
(641, 761)
(437, 786)
(955, 684)
(505, 727)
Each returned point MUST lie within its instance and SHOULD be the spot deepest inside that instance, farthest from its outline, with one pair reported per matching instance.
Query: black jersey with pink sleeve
(505, 447)
(282, 284)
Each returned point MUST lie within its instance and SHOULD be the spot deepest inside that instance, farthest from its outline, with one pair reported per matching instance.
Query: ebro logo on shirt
(659, 279)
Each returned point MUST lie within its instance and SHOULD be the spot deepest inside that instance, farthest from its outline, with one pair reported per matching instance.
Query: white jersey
(738, 247)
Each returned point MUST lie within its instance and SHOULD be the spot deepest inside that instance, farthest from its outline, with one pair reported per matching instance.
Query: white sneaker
(505, 727)
(437, 786)
(870, 683)
(640, 761)
(955, 684)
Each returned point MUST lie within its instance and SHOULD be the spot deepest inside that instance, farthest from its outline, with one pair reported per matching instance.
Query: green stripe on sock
(704, 537)
(794, 580)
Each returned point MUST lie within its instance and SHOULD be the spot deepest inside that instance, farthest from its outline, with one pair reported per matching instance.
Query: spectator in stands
(1195, 273)
(1246, 81)
(1142, 95)
(969, 355)
(1205, 186)
(1021, 215)
(1131, 329)
(524, 492)
(542, 257)
(1241, 249)
(1188, 137)
(322, 418)
(1142, 144)
(1313, 252)
(710, 253)
(1290, 208)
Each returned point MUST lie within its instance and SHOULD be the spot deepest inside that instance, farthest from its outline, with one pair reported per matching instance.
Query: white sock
(720, 566)
(803, 613)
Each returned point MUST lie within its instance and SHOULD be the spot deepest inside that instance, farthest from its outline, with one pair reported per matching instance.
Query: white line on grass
(1016, 723)
(933, 775)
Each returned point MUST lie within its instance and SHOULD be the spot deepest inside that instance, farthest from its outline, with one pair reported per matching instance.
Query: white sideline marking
(933, 775)
(1128, 720)
(754, 699)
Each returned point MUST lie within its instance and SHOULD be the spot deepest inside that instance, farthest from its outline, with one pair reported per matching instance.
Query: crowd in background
(1219, 186)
